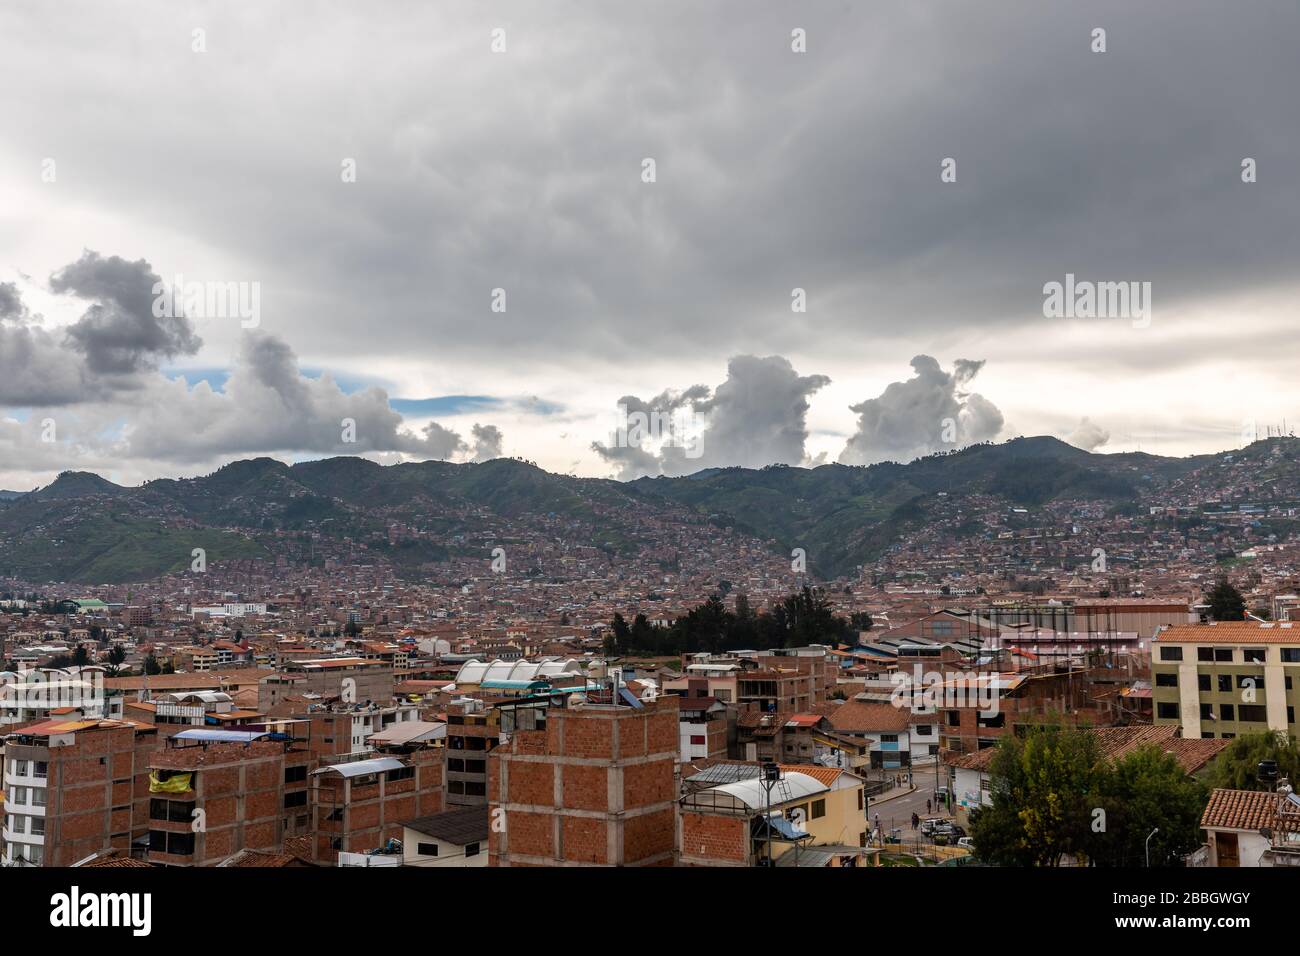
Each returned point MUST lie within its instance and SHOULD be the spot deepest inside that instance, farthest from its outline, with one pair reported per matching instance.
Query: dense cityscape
(525, 440)
(325, 706)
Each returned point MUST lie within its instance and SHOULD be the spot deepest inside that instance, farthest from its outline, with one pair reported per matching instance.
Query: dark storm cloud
(775, 169)
(119, 334)
(11, 303)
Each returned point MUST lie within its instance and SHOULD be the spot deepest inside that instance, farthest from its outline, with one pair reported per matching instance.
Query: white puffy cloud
(932, 411)
(757, 417)
(1088, 435)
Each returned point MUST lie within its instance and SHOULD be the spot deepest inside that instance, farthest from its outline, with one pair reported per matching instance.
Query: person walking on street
(927, 806)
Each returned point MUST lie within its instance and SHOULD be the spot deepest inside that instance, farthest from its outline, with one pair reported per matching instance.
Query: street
(897, 811)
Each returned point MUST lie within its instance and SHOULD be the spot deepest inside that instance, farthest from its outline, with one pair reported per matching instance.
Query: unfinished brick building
(213, 795)
(596, 787)
(359, 805)
(74, 788)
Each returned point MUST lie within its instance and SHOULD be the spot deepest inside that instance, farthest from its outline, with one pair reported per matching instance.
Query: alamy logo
(1083, 299)
(926, 691)
(209, 300)
(77, 909)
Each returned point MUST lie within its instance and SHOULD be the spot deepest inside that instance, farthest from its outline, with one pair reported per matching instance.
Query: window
(1205, 654)
(1253, 655)
(1253, 681)
(298, 799)
(923, 730)
(1207, 712)
(1291, 655)
(1225, 683)
(426, 849)
(295, 774)
(1202, 681)
(471, 849)
(1252, 712)
(1167, 680)
(889, 738)
(697, 740)
(173, 811)
(1223, 655)
(1167, 711)
(1226, 712)
(818, 809)
(1171, 653)
(179, 844)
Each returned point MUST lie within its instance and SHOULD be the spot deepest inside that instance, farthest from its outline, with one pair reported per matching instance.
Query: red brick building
(212, 796)
(359, 805)
(596, 787)
(74, 788)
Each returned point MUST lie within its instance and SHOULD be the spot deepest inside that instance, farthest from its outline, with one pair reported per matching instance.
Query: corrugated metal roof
(359, 767)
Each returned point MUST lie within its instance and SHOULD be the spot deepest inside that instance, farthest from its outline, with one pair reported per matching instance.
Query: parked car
(946, 829)
(941, 794)
(966, 843)
(931, 824)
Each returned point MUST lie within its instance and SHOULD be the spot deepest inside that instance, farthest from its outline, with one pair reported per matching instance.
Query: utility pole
(771, 774)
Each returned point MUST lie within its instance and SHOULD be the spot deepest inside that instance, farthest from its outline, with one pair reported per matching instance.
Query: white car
(966, 843)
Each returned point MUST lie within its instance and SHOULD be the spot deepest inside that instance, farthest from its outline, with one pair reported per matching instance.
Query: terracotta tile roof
(975, 760)
(263, 859)
(1239, 810)
(1192, 753)
(856, 716)
(119, 862)
(823, 775)
(1231, 632)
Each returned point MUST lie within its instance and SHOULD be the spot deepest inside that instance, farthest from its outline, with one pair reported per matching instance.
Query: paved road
(898, 811)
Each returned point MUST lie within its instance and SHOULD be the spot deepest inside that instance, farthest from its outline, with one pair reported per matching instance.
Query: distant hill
(86, 529)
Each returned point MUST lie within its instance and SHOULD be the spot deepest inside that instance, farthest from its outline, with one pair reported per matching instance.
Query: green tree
(1044, 788)
(1237, 766)
(622, 635)
(860, 621)
(1226, 602)
(1148, 790)
(151, 665)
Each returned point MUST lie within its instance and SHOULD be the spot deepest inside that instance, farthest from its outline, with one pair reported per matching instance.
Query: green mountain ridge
(86, 529)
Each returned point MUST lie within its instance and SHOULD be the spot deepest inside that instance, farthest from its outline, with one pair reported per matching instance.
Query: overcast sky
(136, 149)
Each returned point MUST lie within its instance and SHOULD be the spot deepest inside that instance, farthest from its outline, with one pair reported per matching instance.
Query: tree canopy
(1055, 796)
(805, 617)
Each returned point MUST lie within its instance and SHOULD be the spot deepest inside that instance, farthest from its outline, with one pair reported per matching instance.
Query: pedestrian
(927, 806)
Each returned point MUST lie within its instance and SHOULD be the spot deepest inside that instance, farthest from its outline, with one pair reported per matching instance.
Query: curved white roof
(476, 672)
(359, 767)
(793, 785)
(202, 696)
